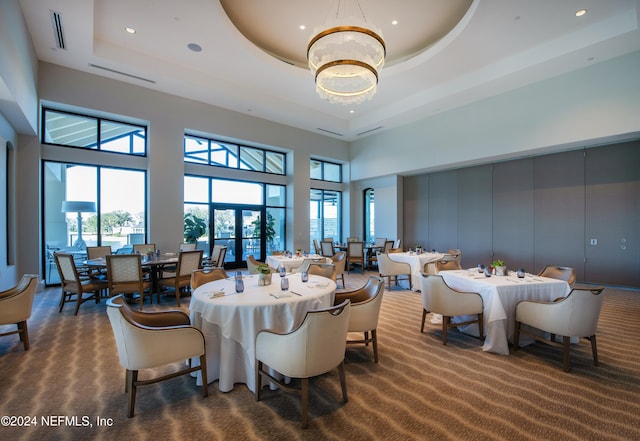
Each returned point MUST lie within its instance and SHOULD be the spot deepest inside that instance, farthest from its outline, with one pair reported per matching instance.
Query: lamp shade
(78, 207)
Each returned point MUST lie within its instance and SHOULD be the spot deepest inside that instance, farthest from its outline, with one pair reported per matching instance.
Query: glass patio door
(239, 229)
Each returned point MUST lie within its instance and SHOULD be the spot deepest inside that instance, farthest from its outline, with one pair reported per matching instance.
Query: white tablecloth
(500, 295)
(291, 263)
(230, 323)
(417, 263)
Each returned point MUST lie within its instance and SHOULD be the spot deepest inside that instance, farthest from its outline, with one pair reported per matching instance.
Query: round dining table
(230, 321)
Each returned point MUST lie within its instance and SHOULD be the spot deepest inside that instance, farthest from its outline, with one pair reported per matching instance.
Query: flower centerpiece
(499, 267)
(264, 274)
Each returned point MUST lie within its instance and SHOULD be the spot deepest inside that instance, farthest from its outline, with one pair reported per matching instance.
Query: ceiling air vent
(58, 32)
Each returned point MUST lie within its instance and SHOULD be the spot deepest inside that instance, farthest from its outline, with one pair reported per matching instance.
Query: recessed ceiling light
(194, 47)
(130, 30)
(581, 12)
(302, 27)
(352, 111)
(394, 22)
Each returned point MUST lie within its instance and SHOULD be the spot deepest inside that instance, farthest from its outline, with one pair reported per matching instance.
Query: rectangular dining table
(500, 295)
(230, 321)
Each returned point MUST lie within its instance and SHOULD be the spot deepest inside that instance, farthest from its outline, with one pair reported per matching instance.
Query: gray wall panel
(475, 218)
(443, 211)
(416, 210)
(513, 213)
(559, 211)
(612, 218)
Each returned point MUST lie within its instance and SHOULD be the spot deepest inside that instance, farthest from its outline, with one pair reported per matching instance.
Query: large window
(73, 130)
(246, 217)
(205, 151)
(325, 215)
(86, 205)
(369, 215)
(325, 171)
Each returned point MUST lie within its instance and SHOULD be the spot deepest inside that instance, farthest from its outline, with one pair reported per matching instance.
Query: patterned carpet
(420, 390)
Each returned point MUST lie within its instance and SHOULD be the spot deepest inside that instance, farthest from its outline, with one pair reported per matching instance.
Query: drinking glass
(239, 285)
(521, 273)
(480, 268)
(282, 271)
(284, 284)
(304, 276)
(487, 272)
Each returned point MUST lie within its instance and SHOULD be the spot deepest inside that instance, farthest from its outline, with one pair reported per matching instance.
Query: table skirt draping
(292, 263)
(500, 295)
(230, 323)
(417, 263)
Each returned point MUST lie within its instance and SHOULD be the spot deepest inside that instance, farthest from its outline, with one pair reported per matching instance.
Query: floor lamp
(79, 207)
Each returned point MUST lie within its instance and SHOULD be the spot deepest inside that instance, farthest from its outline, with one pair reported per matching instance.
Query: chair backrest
(188, 261)
(67, 269)
(379, 241)
(252, 264)
(388, 267)
(98, 252)
(124, 273)
(327, 270)
(339, 259)
(355, 249)
(397, 243)
(144, 248)
(316, 246)
(387, 246)
(327, 249)
(315, 347)
(456, 255)
(201, 276)
(438, 297)
(365, 312)
(446, 264)
(218, 254)
(559, 272)
(187, 246)
(352, 239)
(580, 312)
(16, 302)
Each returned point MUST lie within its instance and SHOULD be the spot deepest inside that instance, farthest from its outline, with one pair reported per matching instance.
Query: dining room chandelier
(346, 55)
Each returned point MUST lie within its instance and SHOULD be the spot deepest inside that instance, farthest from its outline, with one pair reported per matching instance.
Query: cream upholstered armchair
(124, 275)
(355, 254)
(15, 306)
(389, 268)
(339, 259)
(326, 248)
(315, 347)
(559, 272)
(365, 310)
(204, 275)
(327, 270)
(252, 264)
(439, 298)
(574, 316)
(147, 340)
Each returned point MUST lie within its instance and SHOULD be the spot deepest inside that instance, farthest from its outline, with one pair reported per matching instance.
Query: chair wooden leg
(258, 380)
(177, 294)
(374, 339)
(78, 302)
(203, 374)
(566, 342)
(516, 336)
(343, 382)
(305, 402)
(481, 325)
(445, 325)
(133, 380)
(424, 316)
(594, 349)
(24, 334)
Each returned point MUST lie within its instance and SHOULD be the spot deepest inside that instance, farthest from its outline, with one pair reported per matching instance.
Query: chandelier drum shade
(345, 57)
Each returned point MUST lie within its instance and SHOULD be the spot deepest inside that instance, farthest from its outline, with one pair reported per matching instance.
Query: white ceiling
(499, 45)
